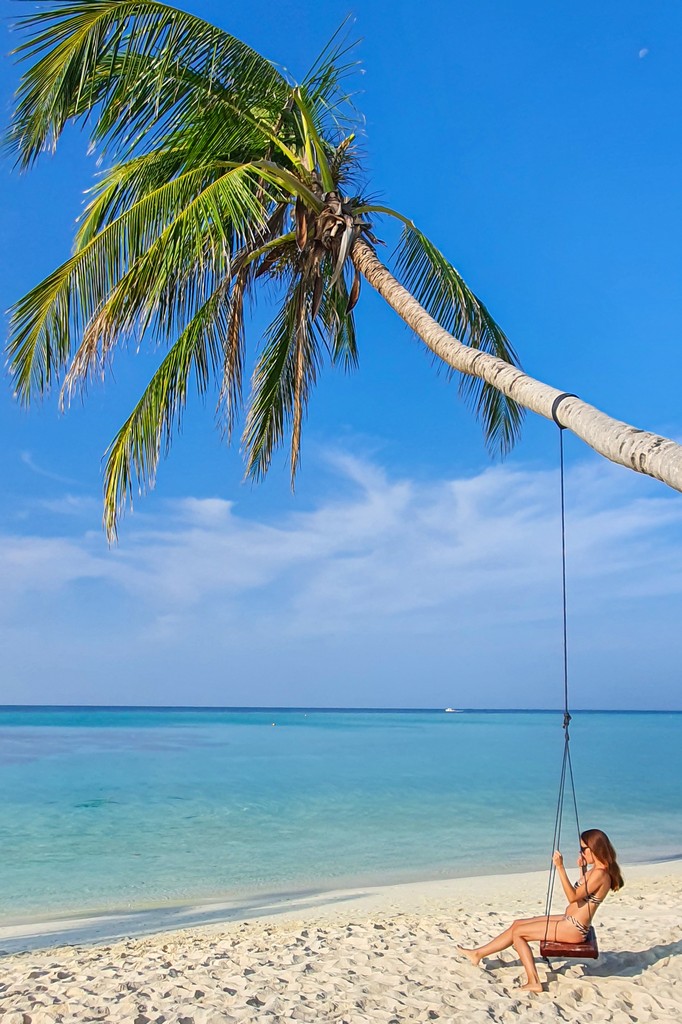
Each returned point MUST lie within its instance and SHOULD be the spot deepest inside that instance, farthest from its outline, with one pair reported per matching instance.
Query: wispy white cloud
(468, 567)
(70, 505)
(30, 462)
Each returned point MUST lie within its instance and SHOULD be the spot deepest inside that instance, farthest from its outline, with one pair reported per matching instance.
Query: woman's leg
(502, 941)
(496, 945)
(534, 930)
(516, 936)
(520, 941)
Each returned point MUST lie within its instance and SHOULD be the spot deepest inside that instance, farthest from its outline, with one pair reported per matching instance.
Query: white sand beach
(385, 954)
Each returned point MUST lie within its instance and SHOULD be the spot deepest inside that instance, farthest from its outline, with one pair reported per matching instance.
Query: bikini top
(589, 896)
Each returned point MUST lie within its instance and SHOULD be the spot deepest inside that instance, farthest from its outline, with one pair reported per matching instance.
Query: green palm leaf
(284, 375)
(134, 454)
(140, 63)
(121, 186)
(323, 87)
(140, 265)
(437, 286)
(340, 326)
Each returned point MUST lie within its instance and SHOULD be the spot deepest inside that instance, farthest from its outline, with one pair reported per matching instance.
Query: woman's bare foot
(470, 954)
(530, 986)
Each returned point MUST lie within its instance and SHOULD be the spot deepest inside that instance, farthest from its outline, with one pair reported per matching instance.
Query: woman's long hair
(600, 845)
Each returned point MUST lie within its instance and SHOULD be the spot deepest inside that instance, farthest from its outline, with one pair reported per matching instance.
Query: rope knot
(567, 719)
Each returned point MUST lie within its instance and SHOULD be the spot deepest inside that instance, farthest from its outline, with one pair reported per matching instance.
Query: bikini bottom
(583, 929)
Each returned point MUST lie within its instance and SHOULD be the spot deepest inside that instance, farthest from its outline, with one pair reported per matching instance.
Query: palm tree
(224, 178)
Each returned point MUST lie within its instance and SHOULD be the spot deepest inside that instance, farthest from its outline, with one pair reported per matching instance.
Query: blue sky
(539, 146)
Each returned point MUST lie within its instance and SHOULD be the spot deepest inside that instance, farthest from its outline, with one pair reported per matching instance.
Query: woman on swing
(600, 875)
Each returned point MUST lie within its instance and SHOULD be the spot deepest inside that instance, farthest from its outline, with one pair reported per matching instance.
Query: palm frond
(330, 105)
(319, 151)
(339, 325)
(437, 286)
(133, 456)
(137, 62)
(125, 183)
(344, 163)
(303, 376)
(230, 399)
(284, 374)
(140, 265)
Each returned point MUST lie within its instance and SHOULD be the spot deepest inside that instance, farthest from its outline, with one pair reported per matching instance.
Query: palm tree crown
(223, 176)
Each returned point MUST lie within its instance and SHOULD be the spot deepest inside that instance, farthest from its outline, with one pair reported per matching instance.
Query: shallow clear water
(118, 808)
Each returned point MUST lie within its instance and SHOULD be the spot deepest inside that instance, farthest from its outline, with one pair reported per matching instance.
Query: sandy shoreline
(384, 954)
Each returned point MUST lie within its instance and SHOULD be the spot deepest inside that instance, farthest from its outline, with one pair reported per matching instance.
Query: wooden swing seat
(587, 949)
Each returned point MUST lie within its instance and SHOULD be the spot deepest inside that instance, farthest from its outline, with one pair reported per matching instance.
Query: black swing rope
(566, 764)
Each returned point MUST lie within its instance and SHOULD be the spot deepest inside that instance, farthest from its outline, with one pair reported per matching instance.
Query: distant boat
(453, 711)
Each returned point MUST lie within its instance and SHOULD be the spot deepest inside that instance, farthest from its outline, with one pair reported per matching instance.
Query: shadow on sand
(111, 927)
(621, 963)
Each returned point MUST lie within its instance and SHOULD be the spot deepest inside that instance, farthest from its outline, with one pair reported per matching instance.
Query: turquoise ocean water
(127, 808)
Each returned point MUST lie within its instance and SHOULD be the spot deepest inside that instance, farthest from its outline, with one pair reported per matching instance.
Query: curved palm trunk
(639, 450)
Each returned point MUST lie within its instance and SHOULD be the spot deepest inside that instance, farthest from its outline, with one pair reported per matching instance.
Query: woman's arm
(590, 884)
(558, 862)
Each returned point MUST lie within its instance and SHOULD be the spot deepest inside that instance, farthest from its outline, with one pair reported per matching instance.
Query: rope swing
(588, 947)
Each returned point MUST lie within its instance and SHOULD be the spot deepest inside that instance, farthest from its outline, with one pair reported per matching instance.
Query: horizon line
(321, 708)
